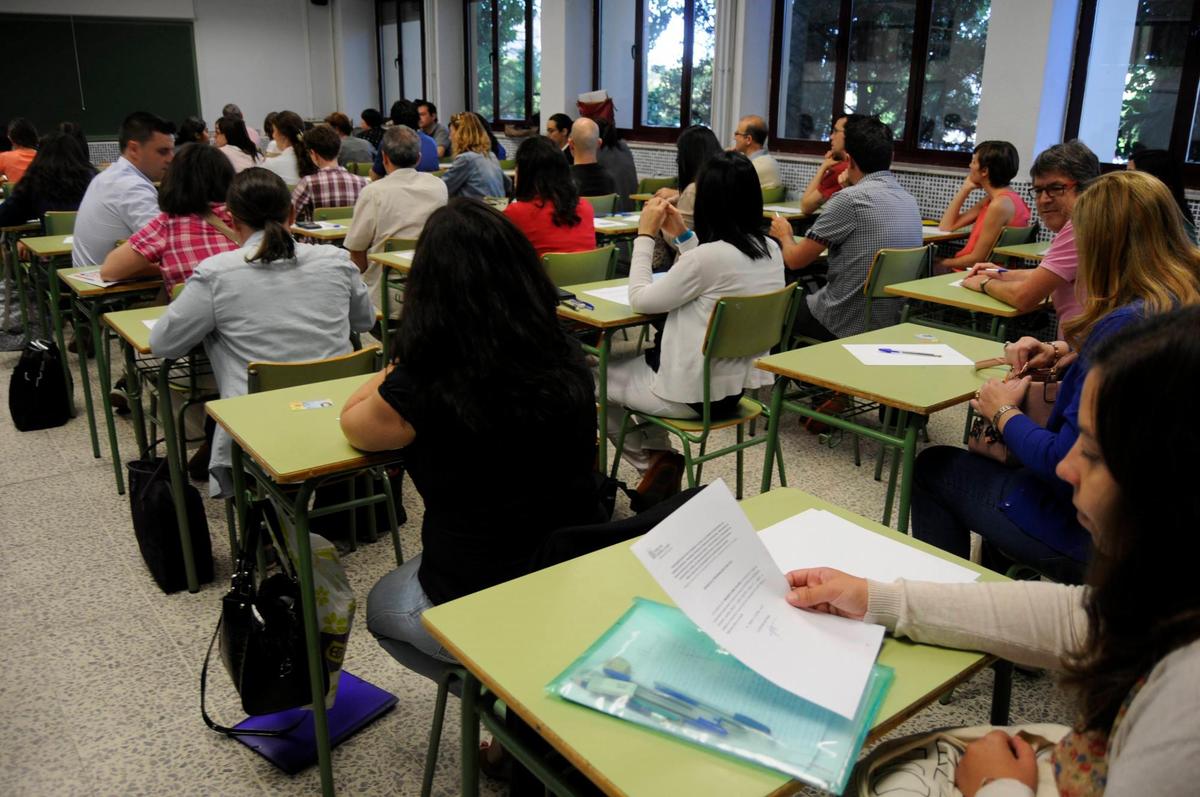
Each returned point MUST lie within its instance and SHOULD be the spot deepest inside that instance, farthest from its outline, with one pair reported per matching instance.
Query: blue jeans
(956, 492)
(394, 609)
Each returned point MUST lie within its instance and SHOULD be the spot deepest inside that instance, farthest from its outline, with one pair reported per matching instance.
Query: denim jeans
(394, 609)
(956, 492)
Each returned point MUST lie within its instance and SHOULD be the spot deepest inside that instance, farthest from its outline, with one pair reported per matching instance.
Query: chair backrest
(574, 268)
(359, 168)
(648, 185)
(335, 212)
(510, 163)
(895, 265)
(743, 326)
(273, 376)
(776, 194)
(59, 222)
(1014, 236)
(6, 188)
(602, 205)
(399, 244)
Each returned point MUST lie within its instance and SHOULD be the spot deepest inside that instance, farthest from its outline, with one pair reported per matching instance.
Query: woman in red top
(993, 166)
(547, 207)
(24, 138)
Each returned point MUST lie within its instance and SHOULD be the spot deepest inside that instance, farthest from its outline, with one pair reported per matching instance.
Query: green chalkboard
(96, 70)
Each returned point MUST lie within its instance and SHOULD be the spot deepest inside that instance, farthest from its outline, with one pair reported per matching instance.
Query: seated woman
(514, 370)
(192, 130)
(24, 139)
(497, 148)
(474, 172)
(694, 147)
(194, 223)
(1134, 261)
(1129, 642)
(547, 206)
(234, 142)
(993, 165)
(293, 161)
(55, 180)
(729, 254)
(271, 300)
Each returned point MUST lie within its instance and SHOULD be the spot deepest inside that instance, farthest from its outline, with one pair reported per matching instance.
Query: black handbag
(156, 526)
(261, 633)
(39, 395)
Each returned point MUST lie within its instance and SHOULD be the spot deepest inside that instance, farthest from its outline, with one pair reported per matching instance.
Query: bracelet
(1000, 413)
(983, 286)
(683, 236)
(1058, 356)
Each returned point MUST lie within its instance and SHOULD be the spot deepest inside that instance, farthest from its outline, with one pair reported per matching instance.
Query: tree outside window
(671, 93)
(504, 38)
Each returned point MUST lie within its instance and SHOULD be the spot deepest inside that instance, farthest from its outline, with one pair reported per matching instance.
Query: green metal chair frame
(576, 268)
(59, 222)
(740, 326)
(602, 205)
(1013, 236)
(648, 185)
(334, 212)
(776, 194)
(391, 279)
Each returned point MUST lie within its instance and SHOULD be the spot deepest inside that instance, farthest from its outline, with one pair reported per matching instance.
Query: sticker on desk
(319, 404)
(150, 322)
(906, 354)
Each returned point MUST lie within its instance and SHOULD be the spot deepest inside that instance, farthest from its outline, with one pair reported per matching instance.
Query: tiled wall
(103, 151)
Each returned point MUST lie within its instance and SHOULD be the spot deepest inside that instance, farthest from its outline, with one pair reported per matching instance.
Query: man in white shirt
(395, 206)
(750, 139)
(122, 199)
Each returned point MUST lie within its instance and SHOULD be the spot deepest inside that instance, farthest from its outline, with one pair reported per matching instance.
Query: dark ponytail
(259, 199)
(291, 126)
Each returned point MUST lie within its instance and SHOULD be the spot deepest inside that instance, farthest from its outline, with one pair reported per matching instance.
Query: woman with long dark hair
(1129, 641)
(478, 297)
(24, 139)
(272, 299)
(293, 161)
(233, 140)
(727, 254)
(694, 147)
(547, 206)
(55, 180)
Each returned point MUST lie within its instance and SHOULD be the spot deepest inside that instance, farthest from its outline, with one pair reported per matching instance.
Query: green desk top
(325, 234)
(400, 261)
(940, 291)
(922, 389)
(49, 245)
(25, 226)
(1033, 251)
(784, 203)
(519, 635)
(130, 327)
(607, 314)
(291, 445)
(628, 222)
(86, 290)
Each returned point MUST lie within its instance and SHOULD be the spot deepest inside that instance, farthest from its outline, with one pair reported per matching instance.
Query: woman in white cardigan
(728, 254)
(1129, 641)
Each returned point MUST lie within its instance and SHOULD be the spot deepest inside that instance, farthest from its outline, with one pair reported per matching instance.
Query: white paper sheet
(617, 293)
(69, 239)
(817, 538)
(930, 232)
(150, 323)
(785, 209)
(871, 354)
(608, 224)
(711, 562)
(93, 278)
(957, 284)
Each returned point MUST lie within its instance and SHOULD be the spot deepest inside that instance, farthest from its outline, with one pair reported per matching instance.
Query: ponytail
(277, 243)
(291, 126)
(259, 199)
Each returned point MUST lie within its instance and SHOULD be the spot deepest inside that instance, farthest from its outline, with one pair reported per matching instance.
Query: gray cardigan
(474, 175)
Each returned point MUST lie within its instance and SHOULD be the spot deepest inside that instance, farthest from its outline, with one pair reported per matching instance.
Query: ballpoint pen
(579, 304)
(886, 350)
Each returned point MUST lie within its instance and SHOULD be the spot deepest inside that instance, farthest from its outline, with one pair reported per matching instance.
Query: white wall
(616, 63)
(444, 56)
(356, 44)
(567, 44)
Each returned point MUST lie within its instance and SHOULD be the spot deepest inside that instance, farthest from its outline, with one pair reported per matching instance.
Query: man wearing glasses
(1059, 175)
(750, 139)
(829, 180)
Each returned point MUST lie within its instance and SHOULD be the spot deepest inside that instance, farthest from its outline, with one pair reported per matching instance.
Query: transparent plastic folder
(654, 667)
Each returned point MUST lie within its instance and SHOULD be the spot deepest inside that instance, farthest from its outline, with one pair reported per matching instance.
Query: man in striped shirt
(332, 185)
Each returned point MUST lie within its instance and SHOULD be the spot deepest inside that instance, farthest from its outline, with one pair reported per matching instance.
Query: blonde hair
(467, 135)
(1131, 243)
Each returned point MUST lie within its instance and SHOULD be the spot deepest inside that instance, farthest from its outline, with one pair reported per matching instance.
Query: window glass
(479, 26)
(953, 74)
(881, 39)
(512, 54)
(662, 85)
(808, 65)
(1193, 153)
(703, 47)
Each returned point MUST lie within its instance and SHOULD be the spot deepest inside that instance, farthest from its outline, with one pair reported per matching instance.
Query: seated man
(394, 207)
(353, 149)
(872, 213)
(591, 177)
(558, 130)
(1059, 175)
(430, 126)
(332, 186)
(123, 198)
(404, 112)
(750, 139)
(828, 179)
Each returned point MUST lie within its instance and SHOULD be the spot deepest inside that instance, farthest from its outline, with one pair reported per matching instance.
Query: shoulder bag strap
(221, 227)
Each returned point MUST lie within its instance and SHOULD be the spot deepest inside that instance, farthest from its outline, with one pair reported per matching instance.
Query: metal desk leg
(56, 320)
(312, 639)
(166, 420)
(133, 389)
(103, 368)
(470, 736)
(773, 423)
(385, 301)
(77, 311)
(1001, 691)
(910, 455)
(602, 398)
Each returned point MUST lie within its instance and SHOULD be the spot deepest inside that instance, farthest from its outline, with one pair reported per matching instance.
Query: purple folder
(358, 704)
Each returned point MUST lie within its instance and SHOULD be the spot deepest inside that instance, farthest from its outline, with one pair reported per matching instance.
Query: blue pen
(886, 350)
(720, 716)
(998, 270)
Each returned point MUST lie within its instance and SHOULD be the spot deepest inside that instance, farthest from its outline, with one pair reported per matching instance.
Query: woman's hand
(995, 394)
(1029, 353)
(781, 230)
(823, 589)
(653, 214)
(968, 185)
(672, 223)
(994, 757)
(669, 194)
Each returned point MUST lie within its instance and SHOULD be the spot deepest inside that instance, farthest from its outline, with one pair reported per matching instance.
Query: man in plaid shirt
(332, 185)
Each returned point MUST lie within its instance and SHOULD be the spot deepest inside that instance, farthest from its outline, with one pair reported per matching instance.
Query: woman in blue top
(1134, 260)
(475, 172)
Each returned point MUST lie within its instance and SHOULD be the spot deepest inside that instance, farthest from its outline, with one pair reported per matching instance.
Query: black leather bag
(157, 528)
(39, 396)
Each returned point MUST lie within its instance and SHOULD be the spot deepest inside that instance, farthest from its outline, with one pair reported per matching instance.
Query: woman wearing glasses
(1059, 175)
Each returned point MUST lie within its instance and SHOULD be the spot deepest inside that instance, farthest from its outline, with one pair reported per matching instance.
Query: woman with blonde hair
(475, 172)
(1134, 261)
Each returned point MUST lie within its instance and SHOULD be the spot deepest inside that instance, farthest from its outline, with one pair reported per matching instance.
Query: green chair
(576, 268)
(336, 212)
(602, 205)
(6, 188)
(359, 168)
(776, 194)
(508, 164)
(1013, 236)
(648, 185)
(391, 280)
(740, 326)
(59, 222)
(399, 244)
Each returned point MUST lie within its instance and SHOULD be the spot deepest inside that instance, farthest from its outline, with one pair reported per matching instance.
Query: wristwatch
(1000, 413)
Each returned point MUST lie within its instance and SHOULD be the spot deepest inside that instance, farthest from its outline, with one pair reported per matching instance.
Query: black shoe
(197, 466)
(118, 399)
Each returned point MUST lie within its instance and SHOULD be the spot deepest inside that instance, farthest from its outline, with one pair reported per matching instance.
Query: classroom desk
(1033, 251)
(88, 303)
(400, 262)
(14, 285)
(917, 390)
(939, 290)
(606, 317)
(290, 452)
(517, 636)
(932, 235)
(626, 225)
(792, 213)
(48, 254)
(325, 234)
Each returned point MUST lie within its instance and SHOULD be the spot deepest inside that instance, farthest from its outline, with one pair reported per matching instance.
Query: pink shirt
(1062, 260)
(179, 243)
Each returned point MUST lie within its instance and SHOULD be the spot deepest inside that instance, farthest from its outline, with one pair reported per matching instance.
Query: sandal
(494, 761)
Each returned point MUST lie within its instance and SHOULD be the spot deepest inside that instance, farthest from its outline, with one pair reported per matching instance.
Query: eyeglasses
(1053, 190)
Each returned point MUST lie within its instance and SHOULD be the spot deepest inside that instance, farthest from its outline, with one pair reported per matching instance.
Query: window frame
(496, 121)
(1185, 108)
(906, 147)
(640, 131)
(383, 105)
